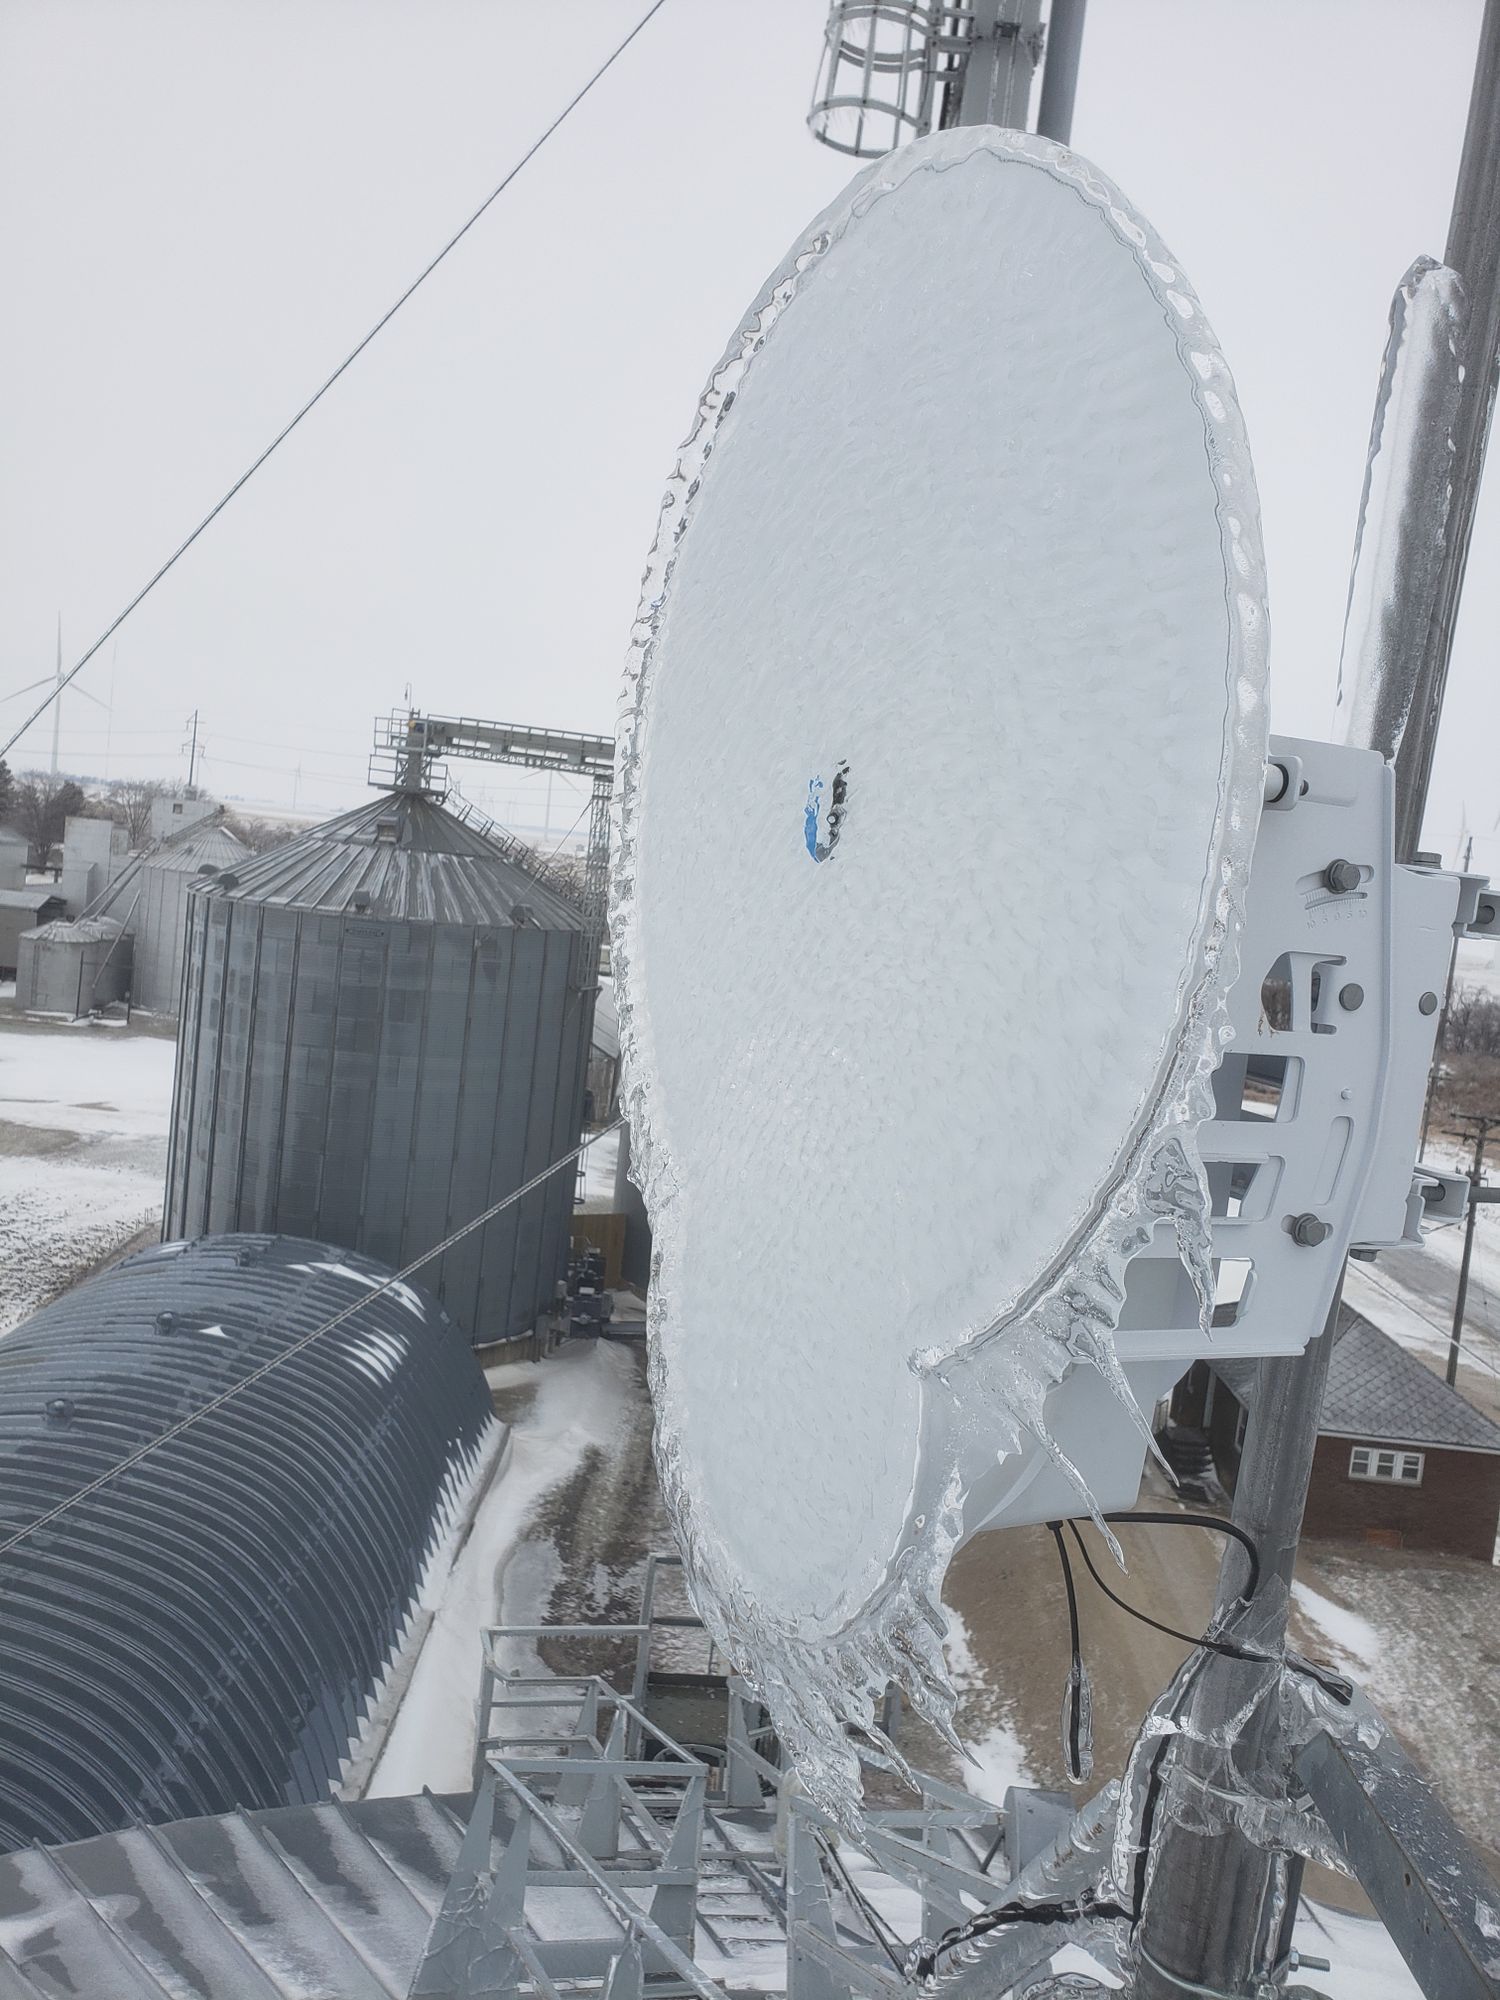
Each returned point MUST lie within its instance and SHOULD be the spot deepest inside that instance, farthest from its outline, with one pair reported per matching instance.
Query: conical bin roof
(400, 856)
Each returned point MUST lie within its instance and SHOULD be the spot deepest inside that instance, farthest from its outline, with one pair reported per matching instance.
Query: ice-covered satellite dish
(941, 763)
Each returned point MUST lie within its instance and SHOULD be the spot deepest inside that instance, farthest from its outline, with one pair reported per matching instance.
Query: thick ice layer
(1403, 511)
(940, 767)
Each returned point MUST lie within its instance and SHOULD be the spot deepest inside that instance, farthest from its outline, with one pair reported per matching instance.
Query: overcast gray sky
(204, 203)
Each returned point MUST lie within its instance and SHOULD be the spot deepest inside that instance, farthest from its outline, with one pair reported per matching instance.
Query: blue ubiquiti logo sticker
(820, 838)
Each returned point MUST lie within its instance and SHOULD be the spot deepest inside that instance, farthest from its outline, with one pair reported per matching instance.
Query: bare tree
(260, 834)
(130, 804)
(564, 873)
(40, 811)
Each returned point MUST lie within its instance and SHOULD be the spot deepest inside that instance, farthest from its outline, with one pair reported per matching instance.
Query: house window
(1401, 1468)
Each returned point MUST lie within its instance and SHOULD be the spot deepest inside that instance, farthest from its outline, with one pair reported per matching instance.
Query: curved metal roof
(208, 1629)
(202, 846)
(78, 930)
(279, 1904)
(399, 856)
(206, 845)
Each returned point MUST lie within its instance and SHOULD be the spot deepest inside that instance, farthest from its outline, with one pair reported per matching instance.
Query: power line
(306, 1340)
(588, 803)
(352, 356)
(1467, 1353)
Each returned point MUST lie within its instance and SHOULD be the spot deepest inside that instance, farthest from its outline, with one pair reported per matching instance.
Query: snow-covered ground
(998, 1757)
(83, 1152)
(575, 1410)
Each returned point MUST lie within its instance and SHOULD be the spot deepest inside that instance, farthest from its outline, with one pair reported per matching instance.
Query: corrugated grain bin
(385, 1032)
(213, 1625)
(150, 898)
(72, 966)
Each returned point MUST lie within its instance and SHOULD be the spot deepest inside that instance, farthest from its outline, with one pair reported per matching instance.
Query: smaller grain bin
(71, 967)
(150, 898)
(385, 1031)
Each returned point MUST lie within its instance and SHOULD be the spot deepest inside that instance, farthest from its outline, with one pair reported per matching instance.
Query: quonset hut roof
(270, 1905)
(400, 856)
(209, 1628)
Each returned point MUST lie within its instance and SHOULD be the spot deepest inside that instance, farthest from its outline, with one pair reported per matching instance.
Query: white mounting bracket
(1343, 959)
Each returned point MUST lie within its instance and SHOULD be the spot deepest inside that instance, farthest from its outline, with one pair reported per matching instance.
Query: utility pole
(1482, 1124)
(57, 698)
(1442, 1032)
(192, 750)
(1220, 1908)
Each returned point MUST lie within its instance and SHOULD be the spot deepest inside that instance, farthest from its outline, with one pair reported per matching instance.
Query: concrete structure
(1402, 1460)
(13, 853)
(22, 910)
(385, 1032)
(150, 898)
(94, 852)
(73, 966)
(211, 1628)
(172, 816)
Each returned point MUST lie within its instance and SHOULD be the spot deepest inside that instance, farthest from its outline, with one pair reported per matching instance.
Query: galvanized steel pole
(1054, 117)
(1219, 1909)
(1215, 1916)
(1473, 250)
(1004, 42)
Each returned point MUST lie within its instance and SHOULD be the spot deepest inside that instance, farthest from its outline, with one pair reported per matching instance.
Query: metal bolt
(1310, 1230)
(1341, 877)
(1351, 996)
(1427, 1004)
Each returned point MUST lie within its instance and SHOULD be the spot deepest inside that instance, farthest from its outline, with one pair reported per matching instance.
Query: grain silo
(214, 1625)
(72, 966)
(385, 1030)
(150, 899)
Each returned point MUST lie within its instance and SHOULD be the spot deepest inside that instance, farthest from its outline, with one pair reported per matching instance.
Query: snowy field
(83, 1152)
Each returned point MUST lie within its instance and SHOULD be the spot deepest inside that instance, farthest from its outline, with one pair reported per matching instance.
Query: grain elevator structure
(385, 1031)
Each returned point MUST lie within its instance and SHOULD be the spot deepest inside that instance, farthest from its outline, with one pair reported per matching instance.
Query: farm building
(72, 966)
(1402, 1461)
(23, 910)
(149, 899)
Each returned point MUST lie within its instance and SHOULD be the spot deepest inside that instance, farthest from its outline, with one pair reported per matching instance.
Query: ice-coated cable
(352, 356)
(1332, 1684)
(316, 1333)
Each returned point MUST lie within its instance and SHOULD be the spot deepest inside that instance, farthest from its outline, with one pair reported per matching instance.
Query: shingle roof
(1376, 1390)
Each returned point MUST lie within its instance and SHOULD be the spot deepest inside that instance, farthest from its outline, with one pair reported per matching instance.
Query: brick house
(1402, 1460)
